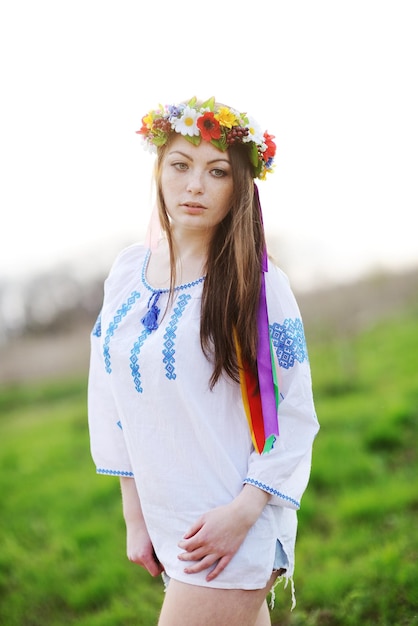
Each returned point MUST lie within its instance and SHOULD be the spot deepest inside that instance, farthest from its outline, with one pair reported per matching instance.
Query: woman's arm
(138, 543)
(217, 535)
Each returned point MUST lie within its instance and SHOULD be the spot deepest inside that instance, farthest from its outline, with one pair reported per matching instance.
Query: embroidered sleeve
(107, 443)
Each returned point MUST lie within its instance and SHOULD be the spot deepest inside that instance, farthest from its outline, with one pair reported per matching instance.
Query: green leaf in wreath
(209, 104)
(194, 139)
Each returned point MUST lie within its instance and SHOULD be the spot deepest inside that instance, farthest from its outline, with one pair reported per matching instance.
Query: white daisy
(186, 124)
(255, 134)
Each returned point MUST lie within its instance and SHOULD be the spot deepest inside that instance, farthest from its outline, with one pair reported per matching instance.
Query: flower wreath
(218, 124)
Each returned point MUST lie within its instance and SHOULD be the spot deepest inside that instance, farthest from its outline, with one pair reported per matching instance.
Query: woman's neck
(190, 245)
(190, 255)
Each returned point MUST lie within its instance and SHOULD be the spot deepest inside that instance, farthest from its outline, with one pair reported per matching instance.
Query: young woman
(200, 393)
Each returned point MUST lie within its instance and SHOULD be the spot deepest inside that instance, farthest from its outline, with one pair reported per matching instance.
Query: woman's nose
(195, 182)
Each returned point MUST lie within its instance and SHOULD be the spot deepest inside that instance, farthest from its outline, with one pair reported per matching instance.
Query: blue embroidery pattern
(120, 313)
(160, 291)
(97, 330)
(289, 341)
(134, 359)
(170, 336)
(150, 322)
(109, 472)
(274, 492)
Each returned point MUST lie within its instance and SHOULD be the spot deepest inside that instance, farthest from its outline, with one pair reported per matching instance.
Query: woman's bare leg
(190, 605)
(263, 618)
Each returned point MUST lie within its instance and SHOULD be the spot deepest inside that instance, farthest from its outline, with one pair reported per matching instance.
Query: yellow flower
(148, 119)
(226, 117)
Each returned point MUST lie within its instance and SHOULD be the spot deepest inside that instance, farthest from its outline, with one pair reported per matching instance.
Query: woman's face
(196, 184)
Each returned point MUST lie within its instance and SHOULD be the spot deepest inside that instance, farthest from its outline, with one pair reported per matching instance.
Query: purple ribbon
(264, 365)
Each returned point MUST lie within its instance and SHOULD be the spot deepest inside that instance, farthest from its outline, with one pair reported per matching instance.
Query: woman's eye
(218, 173)
(180, 166)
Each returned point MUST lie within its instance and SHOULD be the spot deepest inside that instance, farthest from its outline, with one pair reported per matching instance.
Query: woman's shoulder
(131, 254)
(279, 292)
(128, 263)
(276, 274)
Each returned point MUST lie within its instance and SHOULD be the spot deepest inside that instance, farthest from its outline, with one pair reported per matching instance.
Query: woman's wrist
(250, 503)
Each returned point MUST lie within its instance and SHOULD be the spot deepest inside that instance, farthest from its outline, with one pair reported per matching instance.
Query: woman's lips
(193, 207)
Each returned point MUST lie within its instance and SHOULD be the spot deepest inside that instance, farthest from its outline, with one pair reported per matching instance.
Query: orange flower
(143, 131)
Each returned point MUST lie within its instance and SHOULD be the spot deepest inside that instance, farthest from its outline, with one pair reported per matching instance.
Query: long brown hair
(233, 269)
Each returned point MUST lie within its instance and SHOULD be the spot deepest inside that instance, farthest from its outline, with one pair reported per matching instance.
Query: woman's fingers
(210, 560)
(220, 566)
(204, 563)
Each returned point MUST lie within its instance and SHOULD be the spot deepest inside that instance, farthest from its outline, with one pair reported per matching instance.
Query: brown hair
(232, 286)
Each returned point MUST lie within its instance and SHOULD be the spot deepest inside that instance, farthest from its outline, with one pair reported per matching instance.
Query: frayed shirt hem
(272, 592)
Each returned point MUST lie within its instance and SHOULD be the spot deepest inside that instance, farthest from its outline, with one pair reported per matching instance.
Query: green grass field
(62, 556)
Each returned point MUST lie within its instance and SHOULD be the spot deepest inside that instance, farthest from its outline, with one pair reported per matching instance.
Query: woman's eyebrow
(187, 156)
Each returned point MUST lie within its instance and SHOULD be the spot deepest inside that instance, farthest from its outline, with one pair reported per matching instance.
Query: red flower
(209, 126)
(145, 129)
(270, 151)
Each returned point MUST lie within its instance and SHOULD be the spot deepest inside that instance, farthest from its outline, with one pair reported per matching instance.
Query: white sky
(335, 81)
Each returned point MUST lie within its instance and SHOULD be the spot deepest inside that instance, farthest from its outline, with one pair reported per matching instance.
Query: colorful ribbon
(260, 394)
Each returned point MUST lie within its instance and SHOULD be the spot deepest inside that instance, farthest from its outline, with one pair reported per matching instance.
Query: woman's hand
(216, 536)
(140, 549)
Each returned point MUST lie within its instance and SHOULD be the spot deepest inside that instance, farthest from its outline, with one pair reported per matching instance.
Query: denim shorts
(280, 559)
(280, 563)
